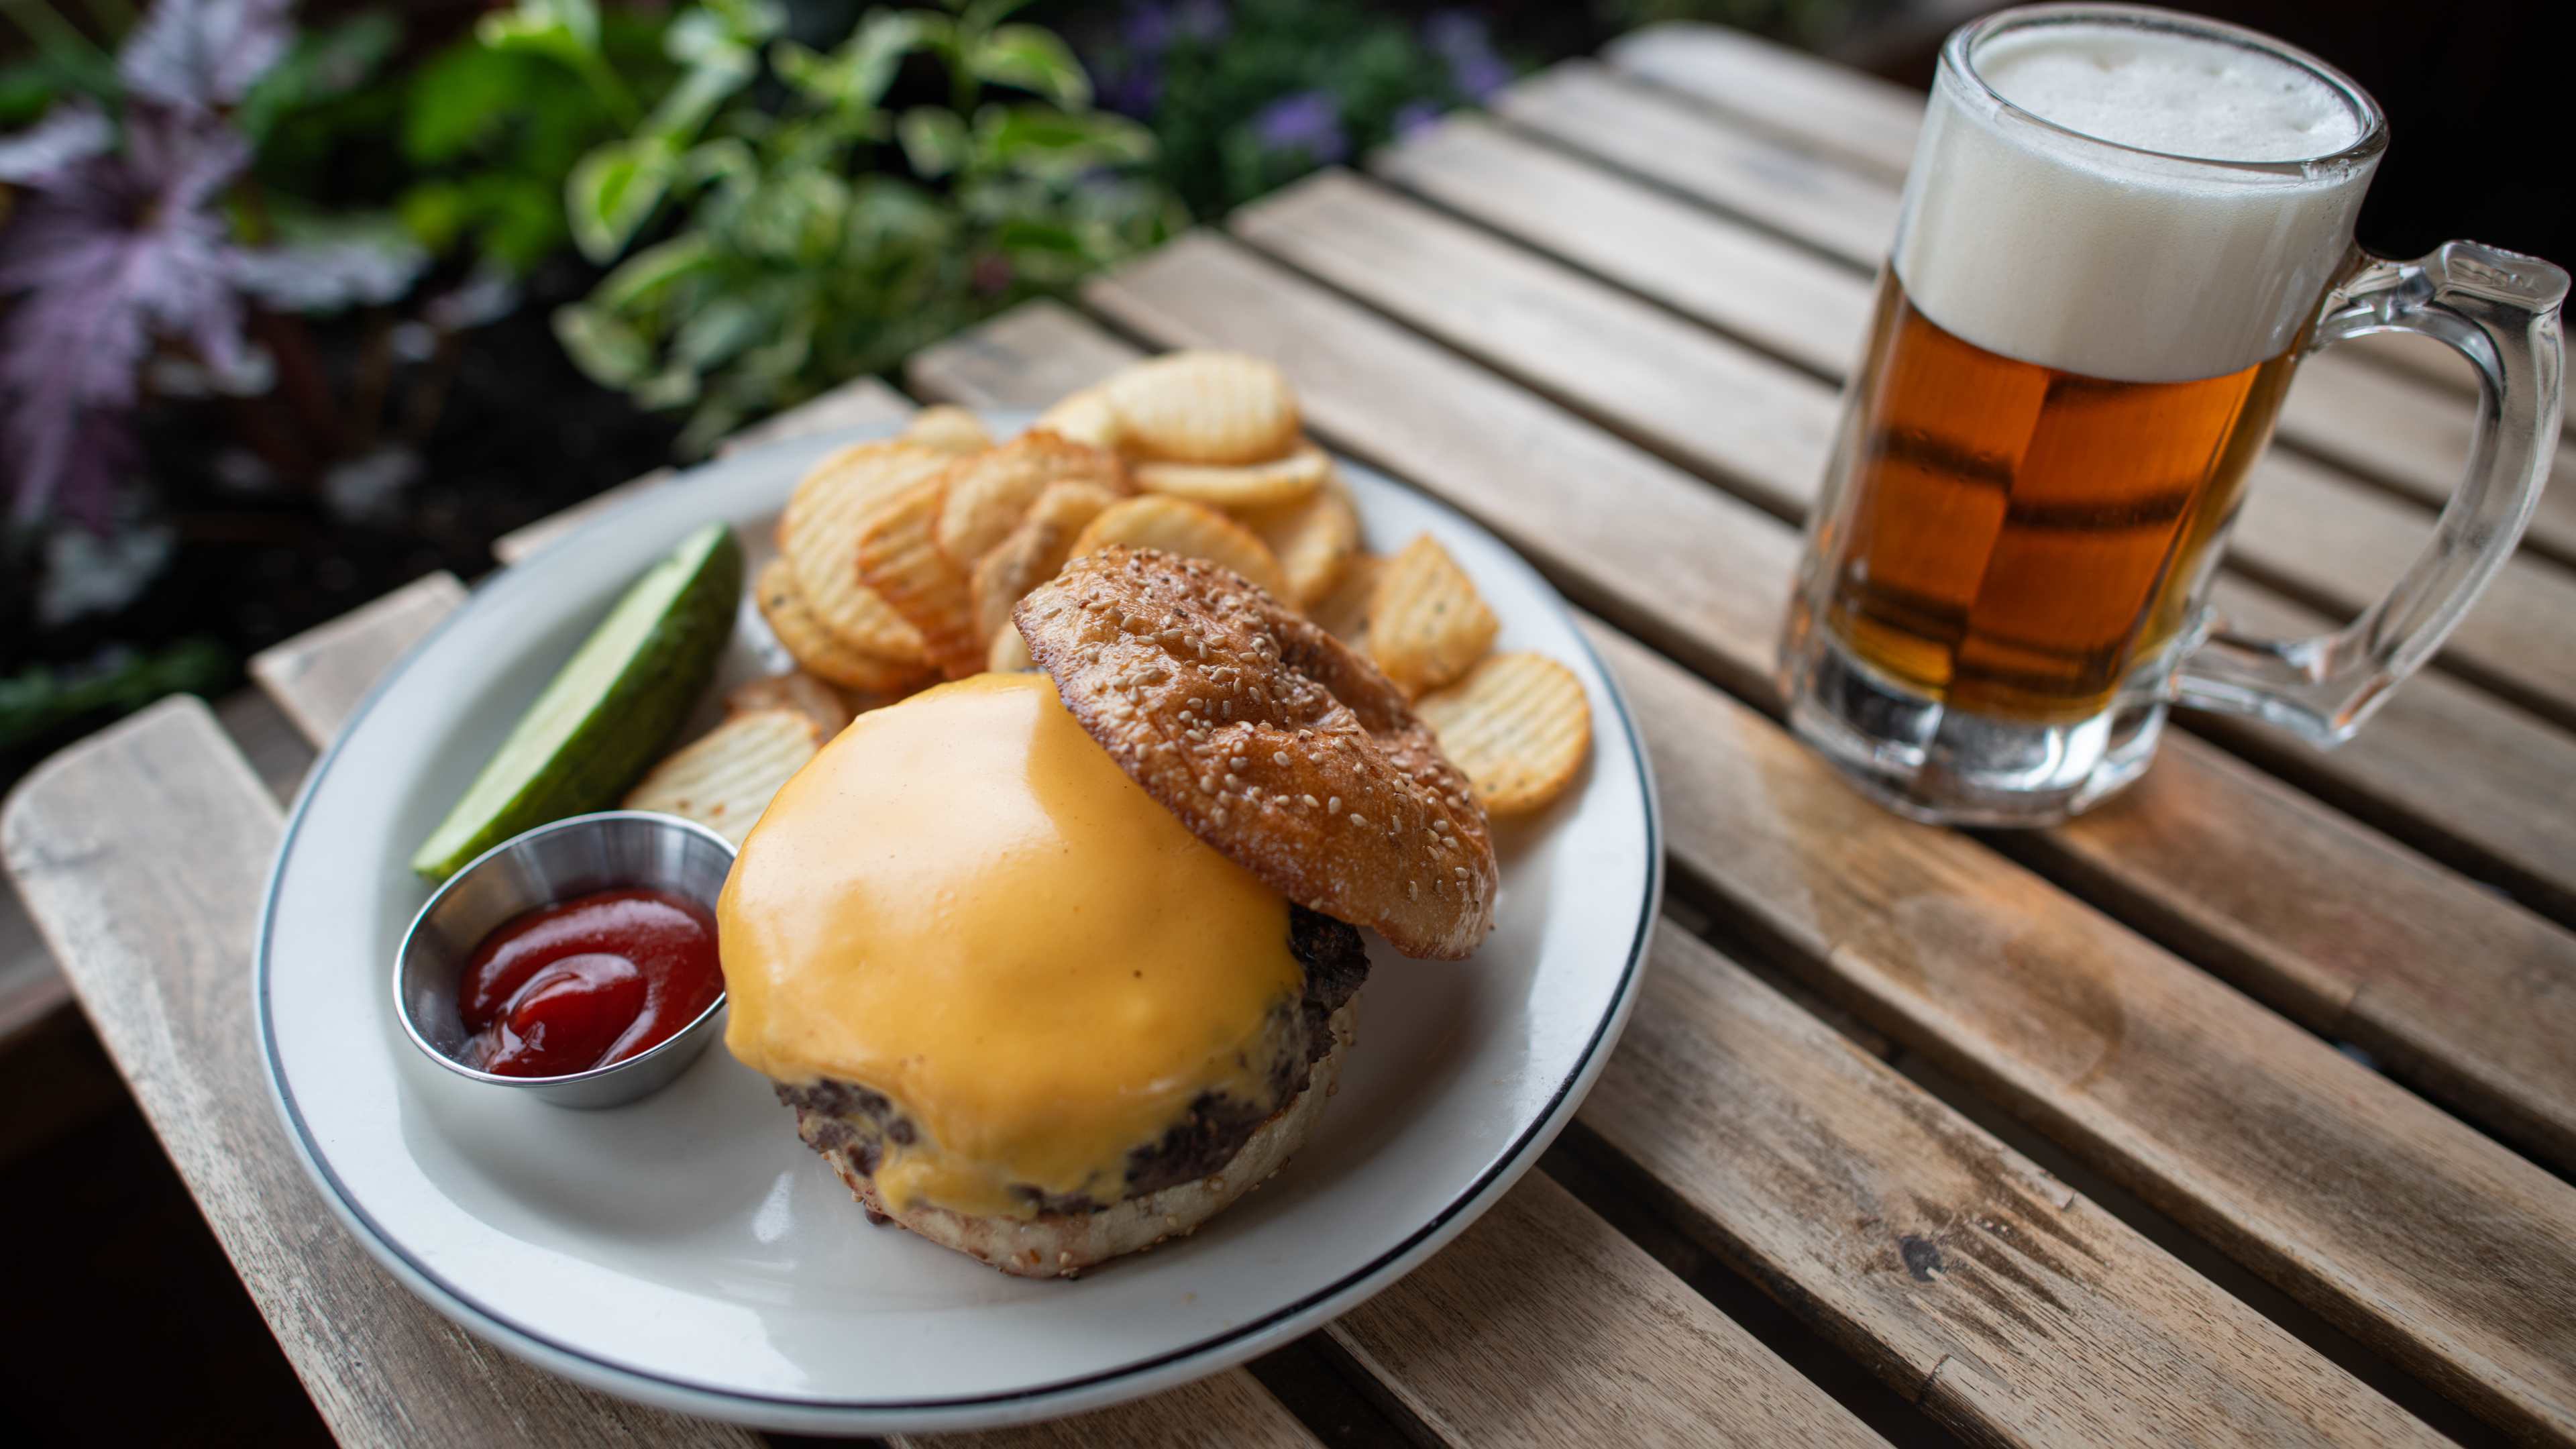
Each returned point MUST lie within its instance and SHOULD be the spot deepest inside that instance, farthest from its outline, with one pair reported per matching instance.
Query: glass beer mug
(2123, 228)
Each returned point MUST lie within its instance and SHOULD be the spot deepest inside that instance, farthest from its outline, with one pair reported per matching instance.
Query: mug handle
(2499, 310)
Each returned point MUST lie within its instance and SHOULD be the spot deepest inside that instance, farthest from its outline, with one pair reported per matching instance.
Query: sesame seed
(1461, 870)
(1310, 801)
(1359, 820)
(1279, 758)
(1207, 783)
(1334, 805)
(1440, 825)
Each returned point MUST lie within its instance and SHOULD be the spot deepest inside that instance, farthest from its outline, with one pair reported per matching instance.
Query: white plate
(689, 1251)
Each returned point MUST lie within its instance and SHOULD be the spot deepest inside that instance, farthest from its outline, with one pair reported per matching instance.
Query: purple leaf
(1307, 121)
(103, 257)
(73, 132)
(359, 266)
(204, 53)
(1462, 40)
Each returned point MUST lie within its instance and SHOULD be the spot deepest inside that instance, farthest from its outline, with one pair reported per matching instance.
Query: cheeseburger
(1053, 966)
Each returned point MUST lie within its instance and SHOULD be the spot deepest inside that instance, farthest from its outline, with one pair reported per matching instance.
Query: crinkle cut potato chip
(817, 649)
(949, 429)
(1082, 417)
(819, 536)
(1190, 530)
(1203, 407)
(988, 492)
(1281, 480)
(804, 693)
(1010, 651)
(1344, 609)
(724, 779)
(1034, 551)
(1313, 539)
(1427, 623)
(1517, 726)
(900, 558)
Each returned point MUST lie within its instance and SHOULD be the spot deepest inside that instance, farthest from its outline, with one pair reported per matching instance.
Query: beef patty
(834, 1114)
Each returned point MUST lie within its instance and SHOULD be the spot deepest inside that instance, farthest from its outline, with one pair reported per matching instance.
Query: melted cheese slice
(963, 903)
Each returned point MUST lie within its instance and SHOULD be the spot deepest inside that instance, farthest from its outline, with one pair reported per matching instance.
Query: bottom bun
(1060, 1245)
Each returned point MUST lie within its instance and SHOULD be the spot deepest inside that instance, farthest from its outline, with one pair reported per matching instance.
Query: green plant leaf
(612, 353)
(856, 74)
(934, 140)
(888, 212)
(518, 220)
(434, 212)
(694, 35)
(612, 193)
(1032, 58)
(564, 28)
(1042, 142)
(675, 386)
(750, 21)
(457, 99)
(717, 331)
(727, 162)
(643, 279)
(708, 83)
(321, 65)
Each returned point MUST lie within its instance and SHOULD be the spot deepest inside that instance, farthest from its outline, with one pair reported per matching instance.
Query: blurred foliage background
(299, 302)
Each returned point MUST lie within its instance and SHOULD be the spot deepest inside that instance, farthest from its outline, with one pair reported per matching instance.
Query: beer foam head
(2143, 203)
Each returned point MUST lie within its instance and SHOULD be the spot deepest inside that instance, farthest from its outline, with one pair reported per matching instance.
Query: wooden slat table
(2241, 1110)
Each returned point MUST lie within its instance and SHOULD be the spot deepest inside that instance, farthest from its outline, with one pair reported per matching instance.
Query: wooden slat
(2347, 1192)
(1849, 215)
(2223, 1112)
(2206, 818)
(31, 987)
(1868, 121)
(2003, 1301)
(2381, 423)
(864, 402)
(1229, 1408)
(1795, 305)
(141, 852)
(2388, 426)
(1818, 1174)
(1494, 1261)
(2309, 530)
(312, 676)
(1513, 1334)
(2339, 542)
(2459, 773)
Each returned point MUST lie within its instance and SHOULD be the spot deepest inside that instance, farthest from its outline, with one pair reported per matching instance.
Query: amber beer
(2122, 228)
(2011, 537)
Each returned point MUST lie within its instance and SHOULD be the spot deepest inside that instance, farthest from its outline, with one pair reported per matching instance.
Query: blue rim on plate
(1033, 1401)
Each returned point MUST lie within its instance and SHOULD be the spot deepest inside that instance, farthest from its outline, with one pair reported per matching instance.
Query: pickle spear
(609, 710)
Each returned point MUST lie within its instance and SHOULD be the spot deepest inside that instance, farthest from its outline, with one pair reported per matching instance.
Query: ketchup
(586, 982)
